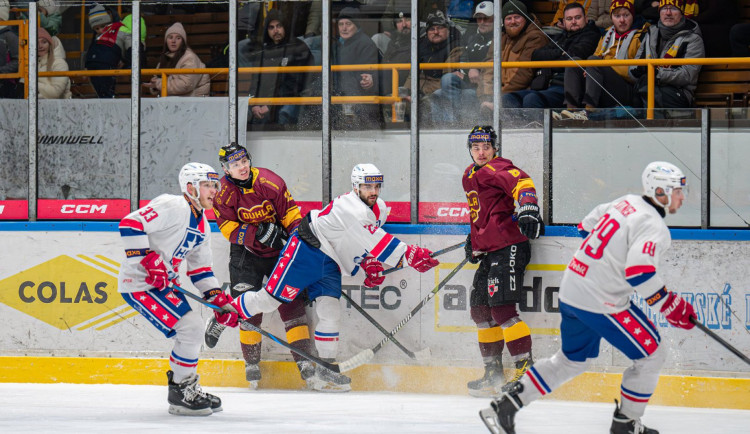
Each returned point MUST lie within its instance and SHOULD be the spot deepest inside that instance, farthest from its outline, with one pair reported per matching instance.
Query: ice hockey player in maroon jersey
(499, 242)
(256, 212)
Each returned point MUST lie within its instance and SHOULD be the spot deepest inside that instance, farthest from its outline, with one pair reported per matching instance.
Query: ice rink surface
(116, 408)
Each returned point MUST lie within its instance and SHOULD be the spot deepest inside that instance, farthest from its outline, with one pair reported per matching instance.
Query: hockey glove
(419, 258)
(678, 311)
(228, 314)
(530, 222)
(469, 250)
(270, 235)
(372, 268)
(157, 274)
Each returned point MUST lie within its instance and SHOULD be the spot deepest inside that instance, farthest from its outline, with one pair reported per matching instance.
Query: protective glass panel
(14, 159)
(729, 196)
(598, 160)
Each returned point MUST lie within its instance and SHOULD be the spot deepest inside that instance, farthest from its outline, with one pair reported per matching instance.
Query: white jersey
(621, 253)
(172, 227)
(349, 231)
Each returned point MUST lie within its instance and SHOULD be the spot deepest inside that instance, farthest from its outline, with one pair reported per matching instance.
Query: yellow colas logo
(69, 293)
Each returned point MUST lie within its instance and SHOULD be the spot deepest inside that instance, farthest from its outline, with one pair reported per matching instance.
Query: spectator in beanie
(107, 50)
(177, 54)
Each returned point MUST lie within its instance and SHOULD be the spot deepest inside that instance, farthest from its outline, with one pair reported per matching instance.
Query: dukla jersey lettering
(349, 231)
(625, 241)
(175, 229)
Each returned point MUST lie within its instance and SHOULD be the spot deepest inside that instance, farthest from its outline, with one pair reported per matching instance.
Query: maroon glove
(228, 314)
(419, 258)
(678, 311)
(373, 268)
(158, 276)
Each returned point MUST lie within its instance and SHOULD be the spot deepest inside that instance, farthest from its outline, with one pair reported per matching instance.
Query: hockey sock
(327, 329)
(489, 334)
(187, 345)
(295, 323)
(250, 342)
(639, 382)
(547, 375)
(517, 334)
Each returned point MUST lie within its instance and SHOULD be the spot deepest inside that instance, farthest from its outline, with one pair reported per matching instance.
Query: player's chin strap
(716, 337)
(365, 356)
(330, 366)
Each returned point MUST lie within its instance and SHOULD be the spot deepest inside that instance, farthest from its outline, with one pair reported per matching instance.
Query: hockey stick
(716, 337)
(283, 343)
(434, 254)
(365, 355)
(419, 355)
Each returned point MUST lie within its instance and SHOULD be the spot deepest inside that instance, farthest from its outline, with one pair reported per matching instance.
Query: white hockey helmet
(666, 176)
(366, 173)
(194, 173)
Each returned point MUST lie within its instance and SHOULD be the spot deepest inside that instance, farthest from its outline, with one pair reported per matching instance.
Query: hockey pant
(170, 312)
(630, 331)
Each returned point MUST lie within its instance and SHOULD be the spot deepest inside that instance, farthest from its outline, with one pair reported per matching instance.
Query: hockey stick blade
(367, 355)
(283, 343)
(433, 255)
(718, 339)
(377, 325)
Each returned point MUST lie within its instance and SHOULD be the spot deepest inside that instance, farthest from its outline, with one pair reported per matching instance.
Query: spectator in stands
(606, 86)
(462, 91)
(354, 47)
(441, 38)
(392, 22)
(177, 54)
(278, 49)
(559, 21)
(520, 39)
(460, 12)
(9, 88)
(649, 9)
(716, 18)
(739, 40)
(600, 13)
(399, 47)
(107, 50)
(51, 87)
(674, 37)
(127, 29)
(578, 40)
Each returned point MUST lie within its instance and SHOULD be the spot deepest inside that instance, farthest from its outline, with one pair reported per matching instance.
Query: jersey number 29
(598, 239)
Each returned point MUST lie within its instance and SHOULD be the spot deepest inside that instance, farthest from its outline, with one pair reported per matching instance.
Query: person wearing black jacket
(579, 40)
(278, 49)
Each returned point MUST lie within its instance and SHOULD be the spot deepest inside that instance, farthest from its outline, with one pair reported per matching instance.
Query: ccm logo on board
(70, 208)
(452, 211)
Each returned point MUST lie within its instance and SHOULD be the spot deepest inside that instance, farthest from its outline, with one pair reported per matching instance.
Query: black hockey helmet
(233, 152)
(483, 134)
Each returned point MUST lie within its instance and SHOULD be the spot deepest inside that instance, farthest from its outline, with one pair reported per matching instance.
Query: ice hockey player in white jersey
(157, 239)
(344, 237)
(624, 241)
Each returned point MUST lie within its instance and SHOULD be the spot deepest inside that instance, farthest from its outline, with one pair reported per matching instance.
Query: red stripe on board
(14, 209)
(83, 209)
(443, 212)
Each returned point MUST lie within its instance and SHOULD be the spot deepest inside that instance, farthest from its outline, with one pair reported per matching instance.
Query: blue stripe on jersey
(200, 276)
(129, 232)
(637, 280)
(389, 249)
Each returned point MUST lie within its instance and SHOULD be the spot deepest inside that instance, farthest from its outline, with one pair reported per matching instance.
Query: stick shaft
(718, 339)
(434, 254)
(283, 343)
(377, 325)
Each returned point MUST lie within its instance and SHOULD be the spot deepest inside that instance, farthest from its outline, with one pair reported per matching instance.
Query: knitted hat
(679, 4)
(627, 4)
(437, 18)
(511, 7)
(486, 7)
(43, 34)
(351, 14)
(98, 16)
(176, 28)
(49, 5)
(4, 13)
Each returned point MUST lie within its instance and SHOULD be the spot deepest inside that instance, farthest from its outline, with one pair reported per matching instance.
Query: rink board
(58, 290)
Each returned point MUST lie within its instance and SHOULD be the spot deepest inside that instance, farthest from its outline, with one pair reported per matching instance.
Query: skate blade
(328, 387)
(483, 393)
(253, 385)
(184, 411)
(489, 417)
(217, 409)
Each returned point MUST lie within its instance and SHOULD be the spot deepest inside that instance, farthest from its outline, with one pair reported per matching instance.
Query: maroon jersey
(239, 210)
(492, 191)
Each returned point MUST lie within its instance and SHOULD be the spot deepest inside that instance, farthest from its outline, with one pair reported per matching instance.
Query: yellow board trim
(250, 337)
(674, 390)
(298, 333)
(492, 334)
(516, 331)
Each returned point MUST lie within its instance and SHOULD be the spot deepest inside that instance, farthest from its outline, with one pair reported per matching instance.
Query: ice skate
(622, 424)
(306, 369)
(500, 416)
(186, 398)
(252, 375)
(522, 366)
(326, 380)
(213, 331)
(489, 385)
